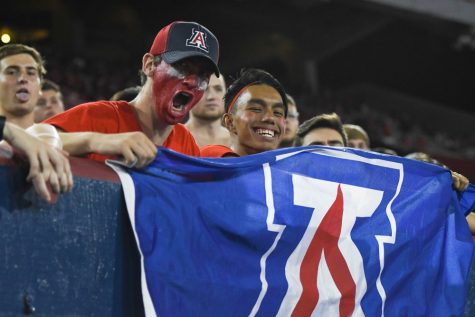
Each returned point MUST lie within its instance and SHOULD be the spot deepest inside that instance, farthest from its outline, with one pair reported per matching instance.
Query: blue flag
(299, 232)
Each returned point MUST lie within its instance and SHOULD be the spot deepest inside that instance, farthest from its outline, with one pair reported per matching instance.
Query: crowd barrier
(76, 257)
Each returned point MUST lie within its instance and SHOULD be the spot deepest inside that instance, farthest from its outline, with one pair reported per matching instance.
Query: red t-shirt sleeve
(216, 150)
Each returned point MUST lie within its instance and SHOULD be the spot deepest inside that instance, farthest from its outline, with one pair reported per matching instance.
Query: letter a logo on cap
(197, 39)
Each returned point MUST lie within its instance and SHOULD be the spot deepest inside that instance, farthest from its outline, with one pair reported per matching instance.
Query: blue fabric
(212, 244)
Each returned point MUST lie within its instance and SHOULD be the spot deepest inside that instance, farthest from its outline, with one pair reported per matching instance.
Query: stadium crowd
(77, 80)
(84, 79)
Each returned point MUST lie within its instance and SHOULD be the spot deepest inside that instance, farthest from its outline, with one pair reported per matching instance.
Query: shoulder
(181, 132)
(181, 128)
(95, 107)
(181, 140)
(217, 150)
(103, 106)
(99, 116)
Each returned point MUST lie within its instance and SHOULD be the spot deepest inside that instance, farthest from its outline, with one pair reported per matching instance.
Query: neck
(241, 149)
(208, 132)
(152, 126)
(24, 122)
(210, 126)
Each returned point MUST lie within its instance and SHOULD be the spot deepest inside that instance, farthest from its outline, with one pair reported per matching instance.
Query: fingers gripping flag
(298, 232)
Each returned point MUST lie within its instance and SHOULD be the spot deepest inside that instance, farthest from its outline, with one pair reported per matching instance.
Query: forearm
(78, 143)
(135, 147)
(82, 143)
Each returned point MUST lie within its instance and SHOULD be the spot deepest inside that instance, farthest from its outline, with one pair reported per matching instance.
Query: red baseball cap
(181, 39)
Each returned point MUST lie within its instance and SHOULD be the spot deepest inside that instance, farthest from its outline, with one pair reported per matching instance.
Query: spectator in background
(127, 94)
(357, 136)
(205, 118)
(291, 123)
(324, 129)
(424, 157)
(384, 150)
(256, 108)
(50, 101)
(175, 74)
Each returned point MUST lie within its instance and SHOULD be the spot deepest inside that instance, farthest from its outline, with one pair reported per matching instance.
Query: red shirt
(117, 117)
(216, 150)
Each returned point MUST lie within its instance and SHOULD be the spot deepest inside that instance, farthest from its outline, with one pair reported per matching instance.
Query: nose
(191, 80)
(269, 116)
(22, 77)
(210, 94)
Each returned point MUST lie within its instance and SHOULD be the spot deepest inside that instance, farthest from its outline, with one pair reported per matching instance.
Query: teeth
(265, 132)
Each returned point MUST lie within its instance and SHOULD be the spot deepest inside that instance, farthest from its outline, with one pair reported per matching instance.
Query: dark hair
(126, 94)
(326, 120)
(253, 76)
(15, 49)
(47, 84)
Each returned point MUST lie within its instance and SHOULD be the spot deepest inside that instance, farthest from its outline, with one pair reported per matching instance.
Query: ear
(147, 64)
(227, 121)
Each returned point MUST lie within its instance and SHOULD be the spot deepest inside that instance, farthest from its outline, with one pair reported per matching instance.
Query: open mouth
(267, 133)
(180, 100)
(23, 94)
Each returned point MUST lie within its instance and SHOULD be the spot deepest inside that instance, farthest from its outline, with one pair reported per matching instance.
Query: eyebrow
(13, 67)
(316, 143)
(16, 67)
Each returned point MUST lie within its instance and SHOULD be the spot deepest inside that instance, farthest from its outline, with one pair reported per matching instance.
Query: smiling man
(256, 108)
(176, 73)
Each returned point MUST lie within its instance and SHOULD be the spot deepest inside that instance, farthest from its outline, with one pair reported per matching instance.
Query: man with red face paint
(175, 74)
(256, 108)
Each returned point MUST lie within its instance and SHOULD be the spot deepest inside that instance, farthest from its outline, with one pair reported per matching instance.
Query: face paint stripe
(239, 93)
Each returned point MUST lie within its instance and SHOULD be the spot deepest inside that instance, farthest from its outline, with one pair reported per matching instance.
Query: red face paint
(175, 92)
